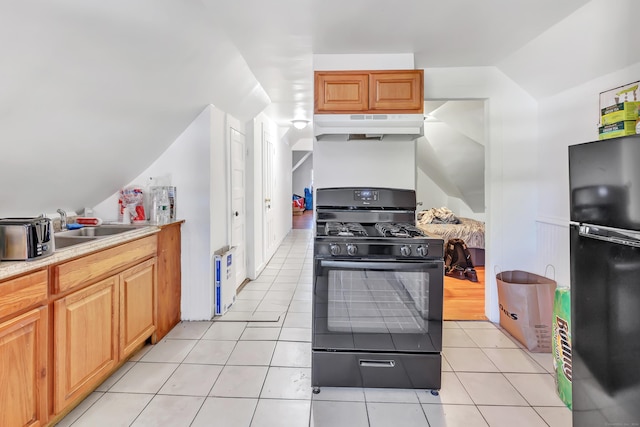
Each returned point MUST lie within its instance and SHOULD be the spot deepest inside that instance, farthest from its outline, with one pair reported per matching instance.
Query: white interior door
(268, 183)
(238, 204)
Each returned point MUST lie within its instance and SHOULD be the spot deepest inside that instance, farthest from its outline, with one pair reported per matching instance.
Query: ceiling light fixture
(299, 123)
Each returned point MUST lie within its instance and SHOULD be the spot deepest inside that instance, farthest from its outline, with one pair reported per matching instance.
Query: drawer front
(22, 292)
(386, 370)
(101, 264)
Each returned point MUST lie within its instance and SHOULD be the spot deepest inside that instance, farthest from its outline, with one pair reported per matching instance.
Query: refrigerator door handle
(620, 237)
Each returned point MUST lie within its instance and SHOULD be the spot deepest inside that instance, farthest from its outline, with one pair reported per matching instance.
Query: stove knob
(334, 249)
(422, 251)
(352, 249)
(405, 251)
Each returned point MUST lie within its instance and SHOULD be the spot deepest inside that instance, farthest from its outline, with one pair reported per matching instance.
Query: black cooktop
(382, 229)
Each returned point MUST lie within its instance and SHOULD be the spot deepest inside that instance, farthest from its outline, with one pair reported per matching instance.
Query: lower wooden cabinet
(137, 307)
(85, 349)
(65, 328)
(23, 369)
(105, 320)
(169, 279)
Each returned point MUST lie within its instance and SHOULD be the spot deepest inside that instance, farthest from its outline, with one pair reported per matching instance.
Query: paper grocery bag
(526, 308)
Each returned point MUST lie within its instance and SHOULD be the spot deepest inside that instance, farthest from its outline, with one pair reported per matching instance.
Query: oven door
(378, 306)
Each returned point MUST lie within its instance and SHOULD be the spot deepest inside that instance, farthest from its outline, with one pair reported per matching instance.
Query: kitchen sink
(62, 242)
(68, 238)
(100, 231)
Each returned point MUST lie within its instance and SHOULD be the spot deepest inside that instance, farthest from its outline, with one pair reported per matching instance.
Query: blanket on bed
(469, 230)
(438, 216)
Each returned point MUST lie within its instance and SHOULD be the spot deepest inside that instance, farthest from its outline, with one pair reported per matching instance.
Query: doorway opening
(302, 186)
(450, 174)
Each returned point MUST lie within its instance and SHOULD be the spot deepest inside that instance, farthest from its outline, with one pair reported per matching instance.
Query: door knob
(236, 213)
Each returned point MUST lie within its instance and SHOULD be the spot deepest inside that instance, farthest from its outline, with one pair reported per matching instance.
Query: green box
(623, 111)
(617, 129)
(561, 343)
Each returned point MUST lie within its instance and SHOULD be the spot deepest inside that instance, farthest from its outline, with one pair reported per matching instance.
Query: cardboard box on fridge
(617, 129)
(225, 289)
(618, 95)
(619, 113)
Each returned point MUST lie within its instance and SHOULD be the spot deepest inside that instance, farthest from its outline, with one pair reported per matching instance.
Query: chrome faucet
(63, 219)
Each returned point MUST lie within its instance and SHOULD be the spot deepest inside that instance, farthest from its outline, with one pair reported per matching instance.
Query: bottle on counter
(162, 205)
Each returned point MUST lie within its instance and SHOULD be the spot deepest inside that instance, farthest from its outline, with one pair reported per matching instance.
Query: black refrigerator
(604, 178)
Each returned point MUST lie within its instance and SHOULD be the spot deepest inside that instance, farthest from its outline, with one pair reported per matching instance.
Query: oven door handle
(377, 265)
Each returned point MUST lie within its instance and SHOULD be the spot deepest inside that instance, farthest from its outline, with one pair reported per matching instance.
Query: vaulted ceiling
(91, 92)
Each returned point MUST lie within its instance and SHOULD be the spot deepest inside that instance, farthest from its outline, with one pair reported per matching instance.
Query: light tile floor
(258, 374)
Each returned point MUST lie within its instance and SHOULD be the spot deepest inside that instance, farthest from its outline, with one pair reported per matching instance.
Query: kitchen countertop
(14, 268)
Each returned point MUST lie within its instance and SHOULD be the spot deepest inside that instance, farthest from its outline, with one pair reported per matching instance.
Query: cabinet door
(169, 280)
(396, 91)
(23, 369)
(341, 92)
(85, 340)
(137, 306)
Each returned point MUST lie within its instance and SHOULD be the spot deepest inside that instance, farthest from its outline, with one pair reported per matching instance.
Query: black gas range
(377, 240)
(367, 222)
(377, 310)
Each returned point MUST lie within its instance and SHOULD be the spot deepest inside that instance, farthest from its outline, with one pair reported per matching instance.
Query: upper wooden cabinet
(376, 92)
(337, 92)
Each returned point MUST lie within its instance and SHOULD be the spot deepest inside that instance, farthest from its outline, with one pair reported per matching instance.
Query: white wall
(593, 41)
(511, 166)
(197, 164)
(100, 89)
(579, 112)
(218, 198)
(188, 163)
(432, 196)
(364, 61)
(428, 192)
(364, 163)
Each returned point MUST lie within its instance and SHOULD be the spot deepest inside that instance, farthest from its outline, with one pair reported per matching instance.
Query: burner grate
(398, 230)
(344, 229)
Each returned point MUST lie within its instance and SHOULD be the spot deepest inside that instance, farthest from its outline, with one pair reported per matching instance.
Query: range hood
(376, 127)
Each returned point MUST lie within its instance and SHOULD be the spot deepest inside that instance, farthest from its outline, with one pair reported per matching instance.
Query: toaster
(25, 238)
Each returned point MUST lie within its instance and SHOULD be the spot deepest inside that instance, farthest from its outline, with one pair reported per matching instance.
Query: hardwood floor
(304, 221)
(464, 299)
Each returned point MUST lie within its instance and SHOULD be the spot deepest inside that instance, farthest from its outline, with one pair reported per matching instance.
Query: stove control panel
(366, 195)
(379, 250)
